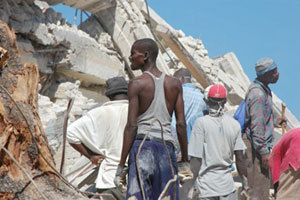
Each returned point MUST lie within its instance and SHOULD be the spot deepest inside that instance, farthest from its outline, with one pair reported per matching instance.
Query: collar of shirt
(266, 88)
(116, 102)
(190, 85)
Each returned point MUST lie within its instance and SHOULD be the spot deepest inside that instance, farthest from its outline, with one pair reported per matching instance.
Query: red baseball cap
(217, 91)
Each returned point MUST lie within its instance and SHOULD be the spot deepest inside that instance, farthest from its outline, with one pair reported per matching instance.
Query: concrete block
(231, 65)
(42, 35)
(41, 4)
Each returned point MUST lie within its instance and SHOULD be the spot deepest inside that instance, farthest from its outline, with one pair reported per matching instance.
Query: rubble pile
(74, 62)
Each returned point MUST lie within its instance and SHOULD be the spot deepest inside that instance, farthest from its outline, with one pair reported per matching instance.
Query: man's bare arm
(181, 125)
(195, 167)
(131, 126)
(242, 168)
(240, 163)
(94, 158)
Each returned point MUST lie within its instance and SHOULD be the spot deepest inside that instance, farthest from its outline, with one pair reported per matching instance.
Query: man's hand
(120, 178)
(97, 159)
(184, 172)
(265, 161)
(280, 121)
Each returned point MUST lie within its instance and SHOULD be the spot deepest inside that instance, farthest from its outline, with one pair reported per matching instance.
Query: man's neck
(153, 69)
(119, 97)
(186, 80)
(265, 83)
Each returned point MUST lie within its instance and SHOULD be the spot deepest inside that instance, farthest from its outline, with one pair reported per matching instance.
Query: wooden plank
(184, 56)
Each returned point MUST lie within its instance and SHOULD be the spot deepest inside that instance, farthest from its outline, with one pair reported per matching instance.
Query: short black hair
(182, 72)
(149, 45)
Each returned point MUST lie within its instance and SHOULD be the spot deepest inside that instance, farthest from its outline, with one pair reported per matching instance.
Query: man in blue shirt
(194, 105)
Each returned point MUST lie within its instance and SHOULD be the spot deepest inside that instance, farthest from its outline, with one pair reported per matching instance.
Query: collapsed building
(74, 62)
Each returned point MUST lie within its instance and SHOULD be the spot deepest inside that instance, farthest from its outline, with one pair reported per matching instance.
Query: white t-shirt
(101, 130)
(214, 139)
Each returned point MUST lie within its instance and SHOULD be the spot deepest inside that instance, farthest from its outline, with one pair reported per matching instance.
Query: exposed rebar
(66, 117)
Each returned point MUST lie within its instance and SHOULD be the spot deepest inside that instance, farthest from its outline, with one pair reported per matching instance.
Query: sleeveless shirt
(157, 109)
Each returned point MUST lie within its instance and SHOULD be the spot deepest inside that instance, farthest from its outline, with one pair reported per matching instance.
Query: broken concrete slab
(231, 65)
(100, 50)
(90, 6)
(181, 52)
(125, 25)
(52, 112)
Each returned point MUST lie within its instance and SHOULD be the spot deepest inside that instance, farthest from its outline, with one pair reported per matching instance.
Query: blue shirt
(194, 106)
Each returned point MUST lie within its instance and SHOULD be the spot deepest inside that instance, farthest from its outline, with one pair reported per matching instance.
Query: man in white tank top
(153, 95)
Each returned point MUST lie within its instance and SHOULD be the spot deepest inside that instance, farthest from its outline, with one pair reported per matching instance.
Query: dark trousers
(155, 171)
(258, 177)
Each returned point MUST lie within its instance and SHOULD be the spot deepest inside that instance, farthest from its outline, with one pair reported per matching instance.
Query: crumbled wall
(71, 62)
(76, 61)
(52, 113)
(225, 68)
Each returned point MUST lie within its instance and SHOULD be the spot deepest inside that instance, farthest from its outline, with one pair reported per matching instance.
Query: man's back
(194, 105)
(101, 130)
(220, 135)
(145, 87)
(214, 139)
(152, 91)
(157, 109)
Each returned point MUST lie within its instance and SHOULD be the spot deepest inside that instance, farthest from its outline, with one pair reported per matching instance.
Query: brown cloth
(258, 178)
(289, 185)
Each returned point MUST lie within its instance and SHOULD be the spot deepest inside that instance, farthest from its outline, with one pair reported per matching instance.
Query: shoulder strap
(147, 72)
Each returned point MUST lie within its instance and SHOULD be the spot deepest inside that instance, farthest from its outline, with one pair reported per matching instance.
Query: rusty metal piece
(66, 117)
(283, 125)
(167, 187)
(245, 195)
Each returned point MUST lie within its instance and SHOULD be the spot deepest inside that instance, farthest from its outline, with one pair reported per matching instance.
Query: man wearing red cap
(214, 139)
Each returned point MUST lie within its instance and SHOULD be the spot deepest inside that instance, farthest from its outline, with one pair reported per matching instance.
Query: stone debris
(75, 62)
(52, 112)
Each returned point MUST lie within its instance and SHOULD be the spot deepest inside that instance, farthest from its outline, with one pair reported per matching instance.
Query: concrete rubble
(74, 62)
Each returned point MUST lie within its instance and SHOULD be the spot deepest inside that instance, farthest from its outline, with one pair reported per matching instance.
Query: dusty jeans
(258, 178)
(155, 171)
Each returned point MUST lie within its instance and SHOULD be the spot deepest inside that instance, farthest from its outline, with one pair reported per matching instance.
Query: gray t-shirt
(214, 139)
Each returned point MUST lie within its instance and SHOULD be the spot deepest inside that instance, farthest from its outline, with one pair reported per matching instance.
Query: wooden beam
(183, 55)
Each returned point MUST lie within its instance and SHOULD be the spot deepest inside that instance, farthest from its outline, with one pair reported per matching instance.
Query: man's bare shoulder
(141, 79)
(139, 82)
(173, 82)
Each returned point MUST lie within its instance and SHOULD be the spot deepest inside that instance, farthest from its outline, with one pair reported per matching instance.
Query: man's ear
(146, 56)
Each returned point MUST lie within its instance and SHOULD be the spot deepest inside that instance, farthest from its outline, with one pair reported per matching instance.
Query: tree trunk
(25, 157)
